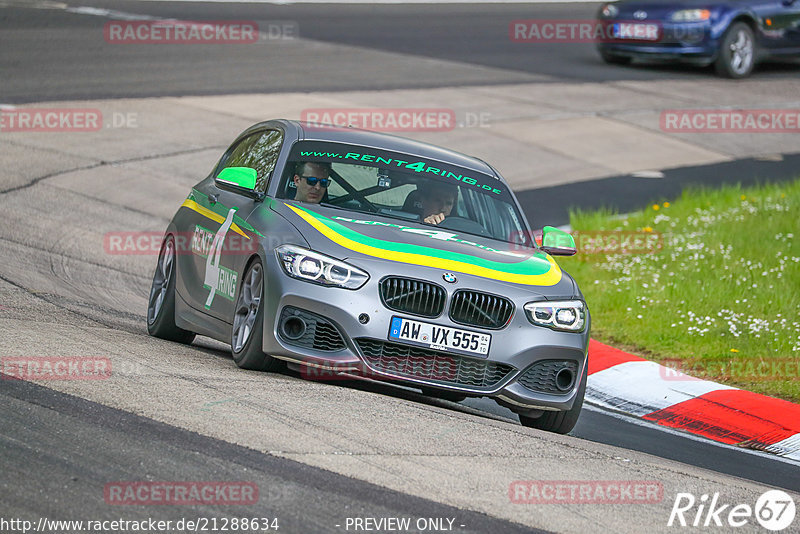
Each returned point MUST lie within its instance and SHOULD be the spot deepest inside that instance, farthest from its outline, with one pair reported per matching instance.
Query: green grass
(722, 294)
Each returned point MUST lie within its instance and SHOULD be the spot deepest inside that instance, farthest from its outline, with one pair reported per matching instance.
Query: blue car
(733, 35)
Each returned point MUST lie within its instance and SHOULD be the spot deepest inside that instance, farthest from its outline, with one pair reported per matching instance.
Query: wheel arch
(260, 254)
(749, 19)
(730, 18)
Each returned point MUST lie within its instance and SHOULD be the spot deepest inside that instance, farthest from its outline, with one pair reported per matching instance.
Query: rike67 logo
(774, 510)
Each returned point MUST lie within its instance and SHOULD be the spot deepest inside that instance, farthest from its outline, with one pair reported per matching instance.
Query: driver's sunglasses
(312, 181)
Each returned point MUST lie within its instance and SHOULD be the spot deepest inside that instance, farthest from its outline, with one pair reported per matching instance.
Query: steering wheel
(355, 195)
(372, 207)
(463, 224)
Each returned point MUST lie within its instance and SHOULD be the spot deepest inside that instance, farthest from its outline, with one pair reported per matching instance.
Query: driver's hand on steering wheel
(436, 218)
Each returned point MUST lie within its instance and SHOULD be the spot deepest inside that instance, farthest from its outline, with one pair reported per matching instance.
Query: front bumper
(692, 43)
(364, 349)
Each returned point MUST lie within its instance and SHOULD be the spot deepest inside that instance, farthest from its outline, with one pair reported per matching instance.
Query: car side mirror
(557, 242)
(241, 180)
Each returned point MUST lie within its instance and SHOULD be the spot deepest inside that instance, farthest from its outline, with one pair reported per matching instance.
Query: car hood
(659, 10)
(351, 235)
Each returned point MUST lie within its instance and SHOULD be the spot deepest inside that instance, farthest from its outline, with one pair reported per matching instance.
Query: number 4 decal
(218, 279)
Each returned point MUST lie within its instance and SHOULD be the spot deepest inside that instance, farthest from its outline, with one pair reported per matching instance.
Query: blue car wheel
(736, 56)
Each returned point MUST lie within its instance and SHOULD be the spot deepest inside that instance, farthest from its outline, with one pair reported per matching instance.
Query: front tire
(737, 52)
(247, 333)
(560, 422)
(161, 305)
(611, 59)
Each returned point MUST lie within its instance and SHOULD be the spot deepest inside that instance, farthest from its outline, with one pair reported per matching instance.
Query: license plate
(438, 337)
(635, 31)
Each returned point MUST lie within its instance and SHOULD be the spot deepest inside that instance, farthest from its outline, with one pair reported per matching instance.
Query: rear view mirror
(240, 180)
(557, 242)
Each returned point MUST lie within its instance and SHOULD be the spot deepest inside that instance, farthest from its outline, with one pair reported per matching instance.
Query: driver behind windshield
(312, 181)
(437, 201)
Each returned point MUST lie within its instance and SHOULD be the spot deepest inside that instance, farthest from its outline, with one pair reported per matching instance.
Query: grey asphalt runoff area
(320, 452)
(64, 445)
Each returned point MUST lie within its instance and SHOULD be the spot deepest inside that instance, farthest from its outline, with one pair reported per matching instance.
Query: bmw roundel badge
(449, 277)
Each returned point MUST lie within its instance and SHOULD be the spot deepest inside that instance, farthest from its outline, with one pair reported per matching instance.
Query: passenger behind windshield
(437, 201)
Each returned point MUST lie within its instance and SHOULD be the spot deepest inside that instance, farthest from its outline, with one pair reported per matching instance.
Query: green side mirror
(243, 177)
(557, 242)
(240, 180)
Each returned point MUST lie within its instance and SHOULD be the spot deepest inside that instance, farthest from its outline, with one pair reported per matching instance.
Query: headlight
(609, 11)
(691, 15)
(314, 267)
(569, 315)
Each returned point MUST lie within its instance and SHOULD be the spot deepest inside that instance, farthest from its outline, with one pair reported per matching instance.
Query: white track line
(643, 387)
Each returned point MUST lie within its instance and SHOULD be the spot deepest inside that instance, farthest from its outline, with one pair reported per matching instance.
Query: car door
(790, 22)
(222, 240)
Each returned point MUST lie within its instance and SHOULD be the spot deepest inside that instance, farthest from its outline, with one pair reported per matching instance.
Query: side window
(258, 151)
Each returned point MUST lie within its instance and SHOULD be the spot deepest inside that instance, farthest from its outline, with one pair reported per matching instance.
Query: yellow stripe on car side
(551, 277)
(205, 212)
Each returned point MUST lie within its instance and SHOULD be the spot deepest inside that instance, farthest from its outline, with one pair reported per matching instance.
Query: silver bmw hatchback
(344, 253)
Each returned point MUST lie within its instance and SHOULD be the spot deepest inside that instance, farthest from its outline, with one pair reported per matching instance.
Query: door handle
(212, 199)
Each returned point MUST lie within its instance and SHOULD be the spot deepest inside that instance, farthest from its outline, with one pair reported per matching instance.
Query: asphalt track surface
(68, 59)
(61, 444)
(55, 443)
(626, 193)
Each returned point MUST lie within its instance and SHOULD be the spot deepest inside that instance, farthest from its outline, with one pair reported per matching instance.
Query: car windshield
(402, 187)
